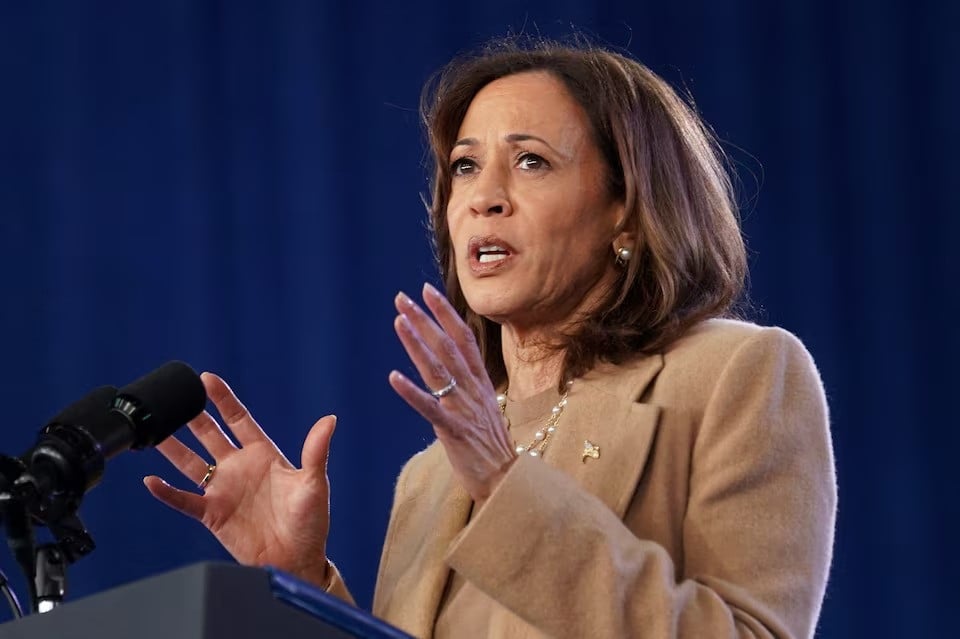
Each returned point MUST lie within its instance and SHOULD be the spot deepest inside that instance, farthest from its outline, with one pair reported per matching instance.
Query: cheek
(579, 245)
(459, 195)
(454, 224)
(455, 234)
(455, 210)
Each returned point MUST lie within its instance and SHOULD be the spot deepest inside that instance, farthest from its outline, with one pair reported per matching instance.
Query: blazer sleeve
(337, 587)
(757, 535)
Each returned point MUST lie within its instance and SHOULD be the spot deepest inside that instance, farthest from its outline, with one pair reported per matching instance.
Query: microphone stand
(51, 579)
(72, 542)
(21, 508)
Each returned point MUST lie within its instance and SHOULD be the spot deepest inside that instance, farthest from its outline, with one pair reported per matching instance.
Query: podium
(206, 601)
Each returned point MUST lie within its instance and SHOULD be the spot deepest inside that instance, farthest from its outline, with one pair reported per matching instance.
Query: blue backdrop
(237, 184)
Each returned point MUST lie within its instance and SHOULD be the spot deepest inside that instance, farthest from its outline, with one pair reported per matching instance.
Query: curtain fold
(238, 185)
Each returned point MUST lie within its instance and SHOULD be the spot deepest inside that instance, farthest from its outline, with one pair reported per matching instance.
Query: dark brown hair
(663, 163)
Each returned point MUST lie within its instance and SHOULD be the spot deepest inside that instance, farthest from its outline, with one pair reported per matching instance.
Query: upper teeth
(492, 253)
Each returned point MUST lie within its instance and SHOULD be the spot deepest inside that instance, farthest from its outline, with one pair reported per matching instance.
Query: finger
(235, 415)
(433, 372)
(209, 433)
(185, 502)
(436, 414)
(442, 345)
(418, 399)
(192, 465)
(454, 326)
(316, 447)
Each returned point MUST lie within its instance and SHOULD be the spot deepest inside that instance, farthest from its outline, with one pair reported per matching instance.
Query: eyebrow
(512, 138)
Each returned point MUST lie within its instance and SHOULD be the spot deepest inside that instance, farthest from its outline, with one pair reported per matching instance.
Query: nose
(490, 193)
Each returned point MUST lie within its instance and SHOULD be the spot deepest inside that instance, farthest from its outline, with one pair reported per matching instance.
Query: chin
(490, 305)
(492, 312)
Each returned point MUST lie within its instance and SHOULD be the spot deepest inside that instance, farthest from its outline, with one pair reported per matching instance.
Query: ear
(625, 236)
(625, 239)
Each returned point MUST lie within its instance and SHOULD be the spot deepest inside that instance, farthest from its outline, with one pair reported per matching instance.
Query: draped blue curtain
(237, 184)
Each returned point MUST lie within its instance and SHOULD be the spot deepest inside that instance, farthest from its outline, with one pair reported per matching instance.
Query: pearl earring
(623, 256)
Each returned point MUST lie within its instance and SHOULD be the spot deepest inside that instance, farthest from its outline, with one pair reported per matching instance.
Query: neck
(531, 366)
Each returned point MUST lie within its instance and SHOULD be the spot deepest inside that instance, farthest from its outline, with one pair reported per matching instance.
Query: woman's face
(530, 217)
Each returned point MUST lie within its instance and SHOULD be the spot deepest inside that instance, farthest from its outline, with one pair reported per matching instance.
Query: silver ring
(211, 469)
(446, 390)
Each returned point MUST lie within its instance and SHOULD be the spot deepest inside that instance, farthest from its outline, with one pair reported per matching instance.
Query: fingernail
(430, 290)
(403, 298)
(404, 320)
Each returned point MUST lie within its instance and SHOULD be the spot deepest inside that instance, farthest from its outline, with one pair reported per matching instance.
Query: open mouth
(488, 252)
(491, 253)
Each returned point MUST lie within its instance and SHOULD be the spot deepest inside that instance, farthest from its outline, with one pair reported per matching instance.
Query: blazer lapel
(603, 412)
(443, 508)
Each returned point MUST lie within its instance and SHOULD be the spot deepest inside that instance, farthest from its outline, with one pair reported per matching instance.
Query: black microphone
(46, 484)
(15, 513)
(68, 458)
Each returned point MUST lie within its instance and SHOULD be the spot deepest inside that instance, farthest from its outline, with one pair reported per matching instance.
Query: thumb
(316, 447)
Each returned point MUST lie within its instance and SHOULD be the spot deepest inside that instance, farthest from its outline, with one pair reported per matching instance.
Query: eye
(531, 162)
(462, 166)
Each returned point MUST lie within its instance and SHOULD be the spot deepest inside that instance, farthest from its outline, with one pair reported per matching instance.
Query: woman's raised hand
(257, 504)
(467, 420)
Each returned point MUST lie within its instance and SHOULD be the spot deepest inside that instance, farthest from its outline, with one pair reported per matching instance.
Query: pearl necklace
(537, 447)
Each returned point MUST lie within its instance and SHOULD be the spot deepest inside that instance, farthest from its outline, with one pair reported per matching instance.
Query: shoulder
(715, 341)
(711, 353)
(717, 345)
(729, 358)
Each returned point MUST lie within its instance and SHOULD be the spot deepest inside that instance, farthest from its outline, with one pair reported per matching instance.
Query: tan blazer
(709, 512)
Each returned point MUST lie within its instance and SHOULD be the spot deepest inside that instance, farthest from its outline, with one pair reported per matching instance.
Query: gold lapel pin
(590, 450)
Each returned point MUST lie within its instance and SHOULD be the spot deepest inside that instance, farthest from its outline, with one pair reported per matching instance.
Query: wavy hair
(662, 162)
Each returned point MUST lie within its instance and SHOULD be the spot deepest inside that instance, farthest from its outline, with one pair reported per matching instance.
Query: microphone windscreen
(164, 400)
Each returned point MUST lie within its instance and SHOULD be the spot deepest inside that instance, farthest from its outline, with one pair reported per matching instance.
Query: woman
(612, 458)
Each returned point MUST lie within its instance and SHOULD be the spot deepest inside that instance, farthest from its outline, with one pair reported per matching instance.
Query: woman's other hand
(467, 420)
(257, 504)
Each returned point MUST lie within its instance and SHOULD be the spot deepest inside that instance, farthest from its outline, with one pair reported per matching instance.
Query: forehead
(530, 102)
